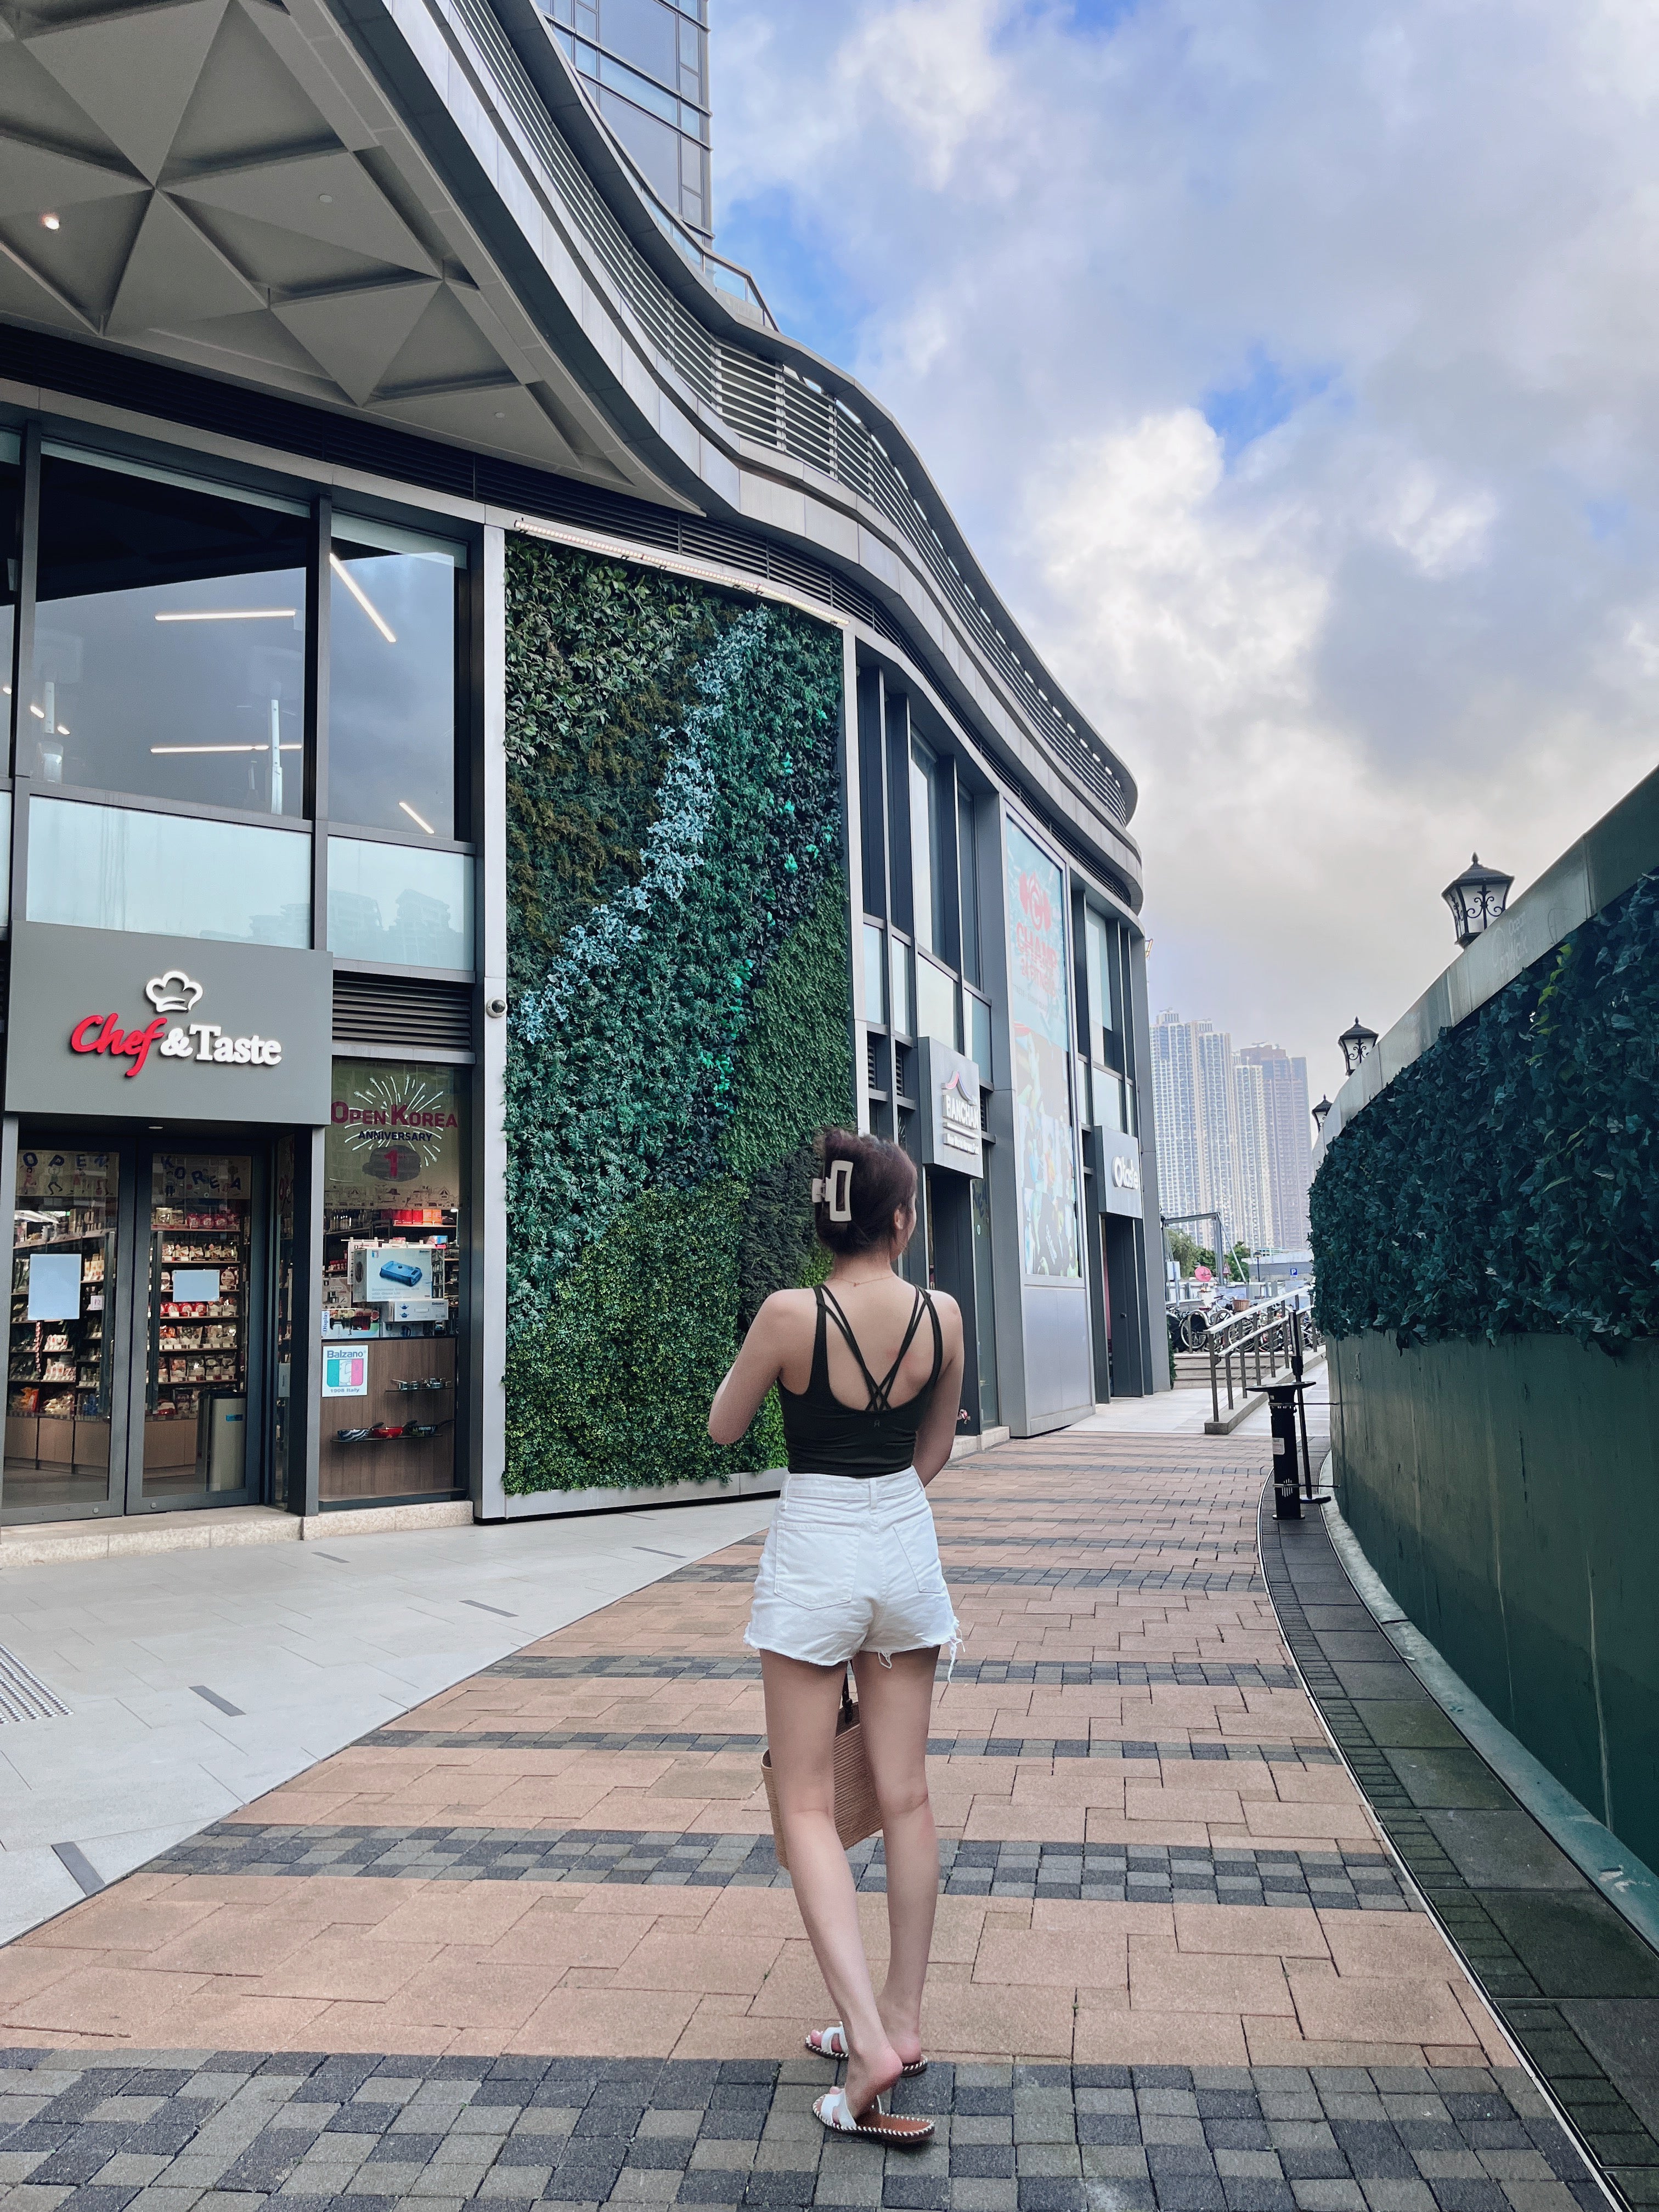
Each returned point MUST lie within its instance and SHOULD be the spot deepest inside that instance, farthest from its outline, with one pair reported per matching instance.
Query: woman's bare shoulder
(949, 1311)
(785, 1311)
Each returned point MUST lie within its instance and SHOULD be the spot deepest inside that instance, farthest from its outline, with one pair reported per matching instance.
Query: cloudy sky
(1294, 370)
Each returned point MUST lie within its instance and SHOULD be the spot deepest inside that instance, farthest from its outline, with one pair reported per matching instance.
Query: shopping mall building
(503, 744)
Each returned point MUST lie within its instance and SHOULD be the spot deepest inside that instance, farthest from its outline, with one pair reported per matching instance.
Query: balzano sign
(205, 1042)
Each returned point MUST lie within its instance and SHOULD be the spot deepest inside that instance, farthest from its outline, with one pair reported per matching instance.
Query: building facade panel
(523, 851)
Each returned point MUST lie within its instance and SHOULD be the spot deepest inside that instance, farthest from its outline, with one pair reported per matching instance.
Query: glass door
(61, 1373)
(197, 1395)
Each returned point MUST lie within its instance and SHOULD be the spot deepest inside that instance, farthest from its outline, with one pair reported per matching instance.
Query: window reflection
(397, 904)
(169, 645)
(391, 681)
(166, 875)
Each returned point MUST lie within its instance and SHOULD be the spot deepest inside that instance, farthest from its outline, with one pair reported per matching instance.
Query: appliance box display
(382, 1274)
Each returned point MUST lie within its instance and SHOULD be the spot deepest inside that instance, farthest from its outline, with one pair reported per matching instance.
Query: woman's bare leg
(895, 1703)
(801, 1706)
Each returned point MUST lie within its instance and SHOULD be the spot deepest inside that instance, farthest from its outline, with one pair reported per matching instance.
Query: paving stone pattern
(1332, 1881)
(1124, 1578)
(166, 2131)
(1090, 1673)
(548, 1909)
(939, 1747)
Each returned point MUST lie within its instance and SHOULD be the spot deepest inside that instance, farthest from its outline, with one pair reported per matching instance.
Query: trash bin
(1287, 1491)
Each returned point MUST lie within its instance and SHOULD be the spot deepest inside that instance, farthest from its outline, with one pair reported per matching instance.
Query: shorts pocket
(814, 1561)
(918, 1540)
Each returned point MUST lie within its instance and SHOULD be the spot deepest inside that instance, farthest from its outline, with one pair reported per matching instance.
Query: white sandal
(876, 2121)
(831, 2042)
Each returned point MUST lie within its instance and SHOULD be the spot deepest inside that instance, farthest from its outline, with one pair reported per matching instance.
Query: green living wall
(1508, 1180)
(1486, 1240)
(680, 1016)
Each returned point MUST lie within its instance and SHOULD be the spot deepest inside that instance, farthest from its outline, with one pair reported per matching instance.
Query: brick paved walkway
(531, 1943)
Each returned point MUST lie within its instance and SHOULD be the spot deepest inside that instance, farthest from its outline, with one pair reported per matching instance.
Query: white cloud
(1294, 371)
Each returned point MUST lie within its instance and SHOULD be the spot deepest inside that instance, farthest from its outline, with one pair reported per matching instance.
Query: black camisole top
(826, 1438)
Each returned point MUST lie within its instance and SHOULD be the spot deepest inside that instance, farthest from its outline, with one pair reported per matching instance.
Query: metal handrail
(1274, 1332)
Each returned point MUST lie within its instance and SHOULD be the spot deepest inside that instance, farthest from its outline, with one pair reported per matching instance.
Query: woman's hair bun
(882, 1182)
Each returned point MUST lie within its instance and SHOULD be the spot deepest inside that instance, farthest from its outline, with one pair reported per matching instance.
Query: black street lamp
(1476, 899)
(1356, 1042)
(1319, 1113)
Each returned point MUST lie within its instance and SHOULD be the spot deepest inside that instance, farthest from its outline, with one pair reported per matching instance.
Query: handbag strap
(849, 1711)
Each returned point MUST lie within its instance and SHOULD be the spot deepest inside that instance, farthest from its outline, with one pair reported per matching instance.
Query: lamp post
(1476, 898)
(1356, 1043)
(1319, 1113)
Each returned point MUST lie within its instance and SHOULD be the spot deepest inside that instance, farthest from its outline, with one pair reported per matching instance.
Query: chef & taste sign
(108, 1022)
(175, 993)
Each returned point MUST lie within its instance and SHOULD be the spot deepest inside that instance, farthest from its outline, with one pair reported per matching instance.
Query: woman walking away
(869, 1374)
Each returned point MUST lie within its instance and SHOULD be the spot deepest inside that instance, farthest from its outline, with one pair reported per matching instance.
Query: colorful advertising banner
(1043, 1150)
(394, 1135)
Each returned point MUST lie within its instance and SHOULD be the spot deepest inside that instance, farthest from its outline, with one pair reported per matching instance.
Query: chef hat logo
(175, 993)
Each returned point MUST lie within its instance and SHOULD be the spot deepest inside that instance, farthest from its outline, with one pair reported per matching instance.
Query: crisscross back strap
(880, 1397)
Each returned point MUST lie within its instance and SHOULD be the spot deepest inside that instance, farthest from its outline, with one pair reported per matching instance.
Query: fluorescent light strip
(419, 821)
(231, 614)
(221, 749)
(361, 598)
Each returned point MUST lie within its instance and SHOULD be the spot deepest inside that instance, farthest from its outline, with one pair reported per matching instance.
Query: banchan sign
(104, 1023)
(950, 1118)
(1117, 1173)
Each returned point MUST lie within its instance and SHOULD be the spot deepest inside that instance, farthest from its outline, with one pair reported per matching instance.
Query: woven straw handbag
(857, 1814)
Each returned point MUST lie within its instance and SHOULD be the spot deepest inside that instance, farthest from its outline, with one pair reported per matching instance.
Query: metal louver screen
(402, 1010)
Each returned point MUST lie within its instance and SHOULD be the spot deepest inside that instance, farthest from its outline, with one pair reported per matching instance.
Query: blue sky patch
(1263, 397)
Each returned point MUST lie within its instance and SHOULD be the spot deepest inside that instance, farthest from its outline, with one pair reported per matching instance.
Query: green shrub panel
(1506, 1181)
(680, 1015)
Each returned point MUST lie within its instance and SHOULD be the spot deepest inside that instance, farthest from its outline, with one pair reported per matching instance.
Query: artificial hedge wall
(680, 1017)
(1508, 1180)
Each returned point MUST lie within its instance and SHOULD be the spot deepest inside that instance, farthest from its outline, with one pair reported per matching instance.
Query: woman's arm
(754, 1371)
(938, 1432)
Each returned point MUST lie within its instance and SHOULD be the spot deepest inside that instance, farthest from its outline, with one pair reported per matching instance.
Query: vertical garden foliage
(1508, 1179)
(680, 1011)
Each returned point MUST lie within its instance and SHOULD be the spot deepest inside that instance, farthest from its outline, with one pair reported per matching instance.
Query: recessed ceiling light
(501, 414)
(49, 222)
(325, 199)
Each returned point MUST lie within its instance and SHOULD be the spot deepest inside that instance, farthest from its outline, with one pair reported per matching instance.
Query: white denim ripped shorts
(849, 1566)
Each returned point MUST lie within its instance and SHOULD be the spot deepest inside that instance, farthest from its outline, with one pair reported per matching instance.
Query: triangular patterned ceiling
(166, 180)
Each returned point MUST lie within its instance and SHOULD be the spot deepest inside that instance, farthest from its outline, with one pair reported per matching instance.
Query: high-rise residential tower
(1194, 1101)
(1290, 1139)
(1252, 1158)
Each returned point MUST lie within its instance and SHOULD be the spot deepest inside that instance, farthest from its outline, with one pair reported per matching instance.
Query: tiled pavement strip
(631, 2033)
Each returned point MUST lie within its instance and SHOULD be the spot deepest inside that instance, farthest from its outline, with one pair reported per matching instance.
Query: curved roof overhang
(393, 209)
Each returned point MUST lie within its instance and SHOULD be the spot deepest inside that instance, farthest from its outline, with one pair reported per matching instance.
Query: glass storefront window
(936, 1002)
(60, 1368)
(926, 857)
(169, 643)
(394, 1231)
(168, 875)
(875, 975)
(11, 485)
(968, 862)
(399, 904)
(392, 677)
(985, 1306)
(899, 967)
(201, 1277)
(284, 1478)
(979, 1038)
(1098, 960)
